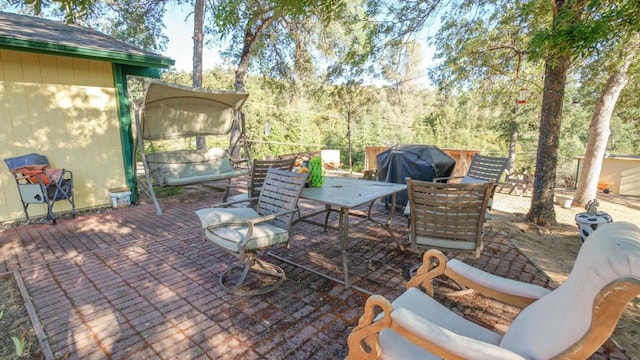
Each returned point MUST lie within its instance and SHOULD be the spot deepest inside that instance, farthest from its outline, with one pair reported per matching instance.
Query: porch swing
(171, 112)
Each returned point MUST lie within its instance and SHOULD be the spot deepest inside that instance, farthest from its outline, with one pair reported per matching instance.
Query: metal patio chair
(245, 232)
(258, 175)
(39, 183)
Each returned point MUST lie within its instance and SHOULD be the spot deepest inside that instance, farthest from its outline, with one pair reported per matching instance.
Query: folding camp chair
(39, 183)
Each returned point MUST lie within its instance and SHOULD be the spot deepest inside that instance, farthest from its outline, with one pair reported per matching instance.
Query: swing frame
(172, 111)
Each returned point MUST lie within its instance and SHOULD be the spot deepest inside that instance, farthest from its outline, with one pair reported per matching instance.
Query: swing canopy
(174, 111)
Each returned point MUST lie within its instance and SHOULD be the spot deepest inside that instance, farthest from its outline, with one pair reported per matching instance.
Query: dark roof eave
(94, 54)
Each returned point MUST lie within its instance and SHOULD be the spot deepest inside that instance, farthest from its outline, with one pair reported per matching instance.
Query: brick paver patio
(127, 284)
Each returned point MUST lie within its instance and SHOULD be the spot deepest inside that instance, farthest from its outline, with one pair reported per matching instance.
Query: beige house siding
(64, 108)
(622, 172)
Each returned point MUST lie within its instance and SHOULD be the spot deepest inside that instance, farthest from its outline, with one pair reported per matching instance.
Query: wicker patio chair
(244, 232)
(448, 217)
(570, 322)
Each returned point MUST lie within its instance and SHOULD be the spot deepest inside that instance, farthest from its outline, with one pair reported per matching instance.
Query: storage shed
(621, 172)
(63, 94)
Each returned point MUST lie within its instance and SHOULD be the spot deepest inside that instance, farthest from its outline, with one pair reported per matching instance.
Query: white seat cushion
(396, 347)
(230, 237)
(565, 315)
(446, 244)
(496, 282)
(226, 227)
(461, 346)
(217, 216)
(424, 305)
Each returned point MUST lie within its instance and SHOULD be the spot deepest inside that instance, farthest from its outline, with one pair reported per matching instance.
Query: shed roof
(28, 33)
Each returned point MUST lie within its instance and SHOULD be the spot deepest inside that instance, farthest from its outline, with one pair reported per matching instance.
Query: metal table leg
(343, 227)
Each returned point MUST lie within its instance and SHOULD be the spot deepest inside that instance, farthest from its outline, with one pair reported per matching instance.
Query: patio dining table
(343, 195)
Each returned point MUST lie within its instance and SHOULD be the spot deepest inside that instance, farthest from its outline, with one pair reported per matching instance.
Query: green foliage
(19, 343)
(167, 191)
(73, 11)
(309, 74)
(584, 29)
(137, 22)
(281, 39)
(311, 117)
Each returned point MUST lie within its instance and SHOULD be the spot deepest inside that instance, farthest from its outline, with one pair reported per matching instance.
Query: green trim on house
(143, 72)
(120, 73)
(87, 53)
(126, 133)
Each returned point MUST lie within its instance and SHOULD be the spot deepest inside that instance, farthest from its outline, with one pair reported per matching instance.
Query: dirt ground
(554, 249)
(15, 324)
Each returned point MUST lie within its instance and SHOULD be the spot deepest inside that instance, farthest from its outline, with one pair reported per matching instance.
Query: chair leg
(227, 279)
(50, 215)
(26, 212)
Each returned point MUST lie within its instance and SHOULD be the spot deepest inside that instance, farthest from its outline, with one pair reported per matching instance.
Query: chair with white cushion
(244, 232)
(570, 322)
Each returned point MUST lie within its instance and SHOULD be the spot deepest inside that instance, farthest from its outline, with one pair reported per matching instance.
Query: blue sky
(180, 47)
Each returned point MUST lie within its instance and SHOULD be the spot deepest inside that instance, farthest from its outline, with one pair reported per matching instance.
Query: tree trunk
(599, 131)
(198, 42)
(542, 211)
(566, 15)
(251, 37)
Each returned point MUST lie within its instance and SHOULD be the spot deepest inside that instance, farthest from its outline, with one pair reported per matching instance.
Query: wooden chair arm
(434, 264)
(363, 340)
(239, 161)
(513, 292)
(442, 342)
(270, 217)
(380, 315)
(506, 290)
